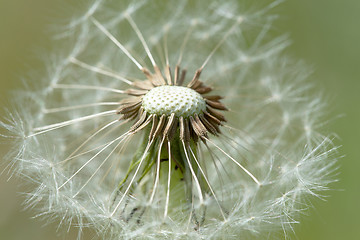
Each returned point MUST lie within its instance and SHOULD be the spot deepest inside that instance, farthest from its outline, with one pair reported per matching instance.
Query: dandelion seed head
(130, 133)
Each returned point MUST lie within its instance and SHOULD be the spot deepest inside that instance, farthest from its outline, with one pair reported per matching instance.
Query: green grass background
(325, 33)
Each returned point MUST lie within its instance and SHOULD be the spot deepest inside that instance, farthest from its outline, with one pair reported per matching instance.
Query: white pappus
(172, 120)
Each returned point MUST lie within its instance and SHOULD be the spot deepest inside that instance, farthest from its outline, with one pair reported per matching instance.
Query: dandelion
(172, 120)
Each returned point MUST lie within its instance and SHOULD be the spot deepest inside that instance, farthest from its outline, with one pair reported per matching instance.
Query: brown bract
(194, 127)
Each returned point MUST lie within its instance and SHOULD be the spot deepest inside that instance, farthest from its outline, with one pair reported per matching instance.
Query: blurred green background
(325, 33)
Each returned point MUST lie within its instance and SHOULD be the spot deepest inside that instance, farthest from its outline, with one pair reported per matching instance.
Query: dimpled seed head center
(166, 100)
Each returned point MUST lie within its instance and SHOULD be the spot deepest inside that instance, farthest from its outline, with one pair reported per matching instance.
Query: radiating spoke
(99, 70)
(113, 166)
(208, 183)
(183, 45)
(157, 173)
(51, 127)
(98, 168)
(63, 109)
(92, 158)
(87, 87)
(201, 198)
(133, 178)
(168, 183)
(227, 34)
(140, 36)
(236, 162)
(116, 42)
(88, 139)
